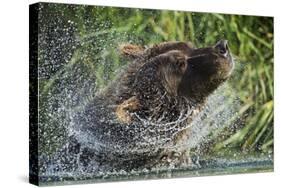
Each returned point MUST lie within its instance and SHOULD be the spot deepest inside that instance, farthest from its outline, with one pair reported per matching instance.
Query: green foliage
(101, 29)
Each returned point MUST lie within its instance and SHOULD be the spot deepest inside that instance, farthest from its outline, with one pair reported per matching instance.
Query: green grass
(101, 29)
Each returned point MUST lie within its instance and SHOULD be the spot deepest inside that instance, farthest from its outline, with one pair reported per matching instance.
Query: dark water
(218, 166)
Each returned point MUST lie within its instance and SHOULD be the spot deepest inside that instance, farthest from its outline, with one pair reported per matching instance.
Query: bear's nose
(222, 47)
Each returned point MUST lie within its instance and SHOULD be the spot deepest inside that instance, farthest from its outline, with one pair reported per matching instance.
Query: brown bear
(142, 118)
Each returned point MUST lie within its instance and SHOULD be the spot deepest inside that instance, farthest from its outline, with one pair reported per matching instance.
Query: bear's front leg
(124, 109)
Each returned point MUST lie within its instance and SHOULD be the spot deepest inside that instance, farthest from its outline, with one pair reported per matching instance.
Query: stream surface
(205, 167)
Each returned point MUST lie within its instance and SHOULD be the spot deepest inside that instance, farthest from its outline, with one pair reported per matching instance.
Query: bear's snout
(222, 47)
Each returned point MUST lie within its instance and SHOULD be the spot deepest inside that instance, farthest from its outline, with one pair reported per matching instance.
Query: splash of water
(71, 71)
(219, 109)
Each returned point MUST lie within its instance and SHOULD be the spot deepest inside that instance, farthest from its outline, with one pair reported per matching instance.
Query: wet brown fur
(173, 62)
(166, 77)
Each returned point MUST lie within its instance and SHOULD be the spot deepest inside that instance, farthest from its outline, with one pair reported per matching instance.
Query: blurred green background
(95, 32)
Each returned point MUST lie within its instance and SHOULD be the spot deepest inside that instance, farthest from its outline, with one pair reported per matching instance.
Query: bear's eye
(191, 66)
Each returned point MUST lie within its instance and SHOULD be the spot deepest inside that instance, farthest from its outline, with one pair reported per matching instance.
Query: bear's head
(185, 70)
(206, 69)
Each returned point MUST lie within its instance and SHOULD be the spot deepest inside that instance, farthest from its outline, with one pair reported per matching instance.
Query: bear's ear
(131, 51)
(172, 71)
